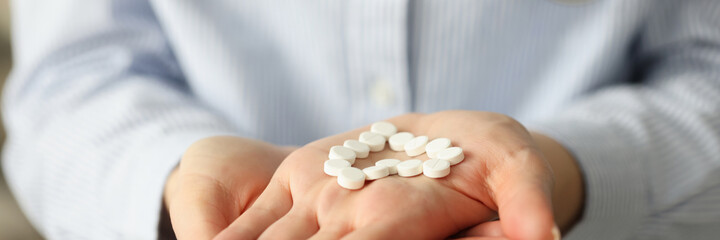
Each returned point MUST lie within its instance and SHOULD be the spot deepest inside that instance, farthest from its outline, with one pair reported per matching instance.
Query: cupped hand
(504, 175)
(217, 179)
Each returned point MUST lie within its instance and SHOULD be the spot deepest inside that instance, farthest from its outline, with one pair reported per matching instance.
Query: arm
(649, 152)
(98, 115)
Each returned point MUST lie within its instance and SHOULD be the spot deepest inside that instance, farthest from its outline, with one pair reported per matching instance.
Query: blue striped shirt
(106, 94)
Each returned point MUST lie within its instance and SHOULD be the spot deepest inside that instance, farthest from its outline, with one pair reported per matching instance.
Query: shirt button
(382, 93)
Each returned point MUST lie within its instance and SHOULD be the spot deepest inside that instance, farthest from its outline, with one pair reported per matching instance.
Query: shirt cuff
(147, 182)
(613, 174)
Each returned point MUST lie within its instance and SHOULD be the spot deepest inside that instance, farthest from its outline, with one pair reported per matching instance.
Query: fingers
(331, 232)
(402, 229)
(379, 231)
(481, 238)
(199, 208)
(486, 229)
(524, 202)
(272, 204)
(299, 223)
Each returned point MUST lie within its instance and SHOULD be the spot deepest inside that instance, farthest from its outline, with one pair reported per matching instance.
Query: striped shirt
(106, 94)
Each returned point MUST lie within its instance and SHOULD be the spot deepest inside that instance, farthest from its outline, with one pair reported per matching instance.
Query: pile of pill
(341, 158)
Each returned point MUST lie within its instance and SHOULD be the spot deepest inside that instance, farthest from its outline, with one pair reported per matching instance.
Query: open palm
(503, 173)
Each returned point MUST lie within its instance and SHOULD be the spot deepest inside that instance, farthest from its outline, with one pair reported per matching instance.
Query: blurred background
(13, 224)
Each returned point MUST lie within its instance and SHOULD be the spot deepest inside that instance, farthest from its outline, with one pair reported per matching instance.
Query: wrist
(568, 193)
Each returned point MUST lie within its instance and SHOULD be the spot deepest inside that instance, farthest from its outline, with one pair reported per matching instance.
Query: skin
(508, 173)
(217, 179)
(568, 192)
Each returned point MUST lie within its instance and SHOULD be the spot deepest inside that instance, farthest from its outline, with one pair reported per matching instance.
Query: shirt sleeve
(650, 150)
(98, 113)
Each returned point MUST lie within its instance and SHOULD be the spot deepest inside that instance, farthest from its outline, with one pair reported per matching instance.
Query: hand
(217, 179)
(568, 192)
(504, 175)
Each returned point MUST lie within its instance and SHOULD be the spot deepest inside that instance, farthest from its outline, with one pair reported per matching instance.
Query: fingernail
(556, 233)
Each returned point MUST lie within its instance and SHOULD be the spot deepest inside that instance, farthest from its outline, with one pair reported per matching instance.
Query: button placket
(376, 43)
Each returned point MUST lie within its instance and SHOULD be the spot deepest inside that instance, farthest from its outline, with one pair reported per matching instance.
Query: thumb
(524, 198)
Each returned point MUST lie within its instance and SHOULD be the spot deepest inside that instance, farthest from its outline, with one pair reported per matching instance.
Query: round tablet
(391, 164)
(416, 146)
(375, 141)
(436, 168)
(361, 150)
(351, 178)
(454, 155)
(397, 141)
(333, 166)
(340, 152)
(383, 128)
(409, 168)
(436, 145)
(376, 172)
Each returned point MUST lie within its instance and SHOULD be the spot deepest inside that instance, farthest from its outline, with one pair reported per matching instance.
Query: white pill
(454, 155)
(375, 141)
(416, 146)
(333, 166)
(383, 128)
(436, 168)
(391, 164)
(376, 172)
(437, 145)
(409, 168)
(361, 150)
(340, 152)
(397, 141)
(351, 178)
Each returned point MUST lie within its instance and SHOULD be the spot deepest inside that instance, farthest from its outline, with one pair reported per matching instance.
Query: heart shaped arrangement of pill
(341, 158)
